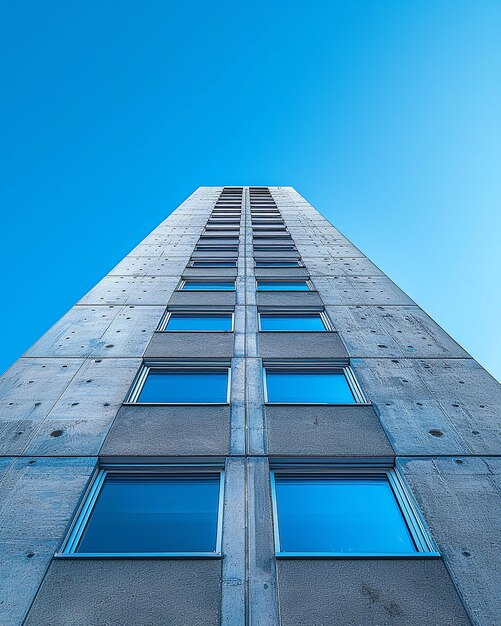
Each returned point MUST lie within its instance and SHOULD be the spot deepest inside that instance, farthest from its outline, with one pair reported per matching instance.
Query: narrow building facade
(247, 423)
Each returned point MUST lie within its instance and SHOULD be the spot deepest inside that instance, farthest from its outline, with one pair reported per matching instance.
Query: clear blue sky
(385, 115)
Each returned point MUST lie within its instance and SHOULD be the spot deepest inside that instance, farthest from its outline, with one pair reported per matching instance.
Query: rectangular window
(214, 263)
(150, 512)
(293, 322)
(194, 321)
(278, 264)
(311, 385)
(283, 285)
(158, 384)
(350, 513)
(215, 285)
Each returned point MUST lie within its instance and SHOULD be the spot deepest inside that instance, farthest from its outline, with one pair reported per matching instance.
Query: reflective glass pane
(187, 321)
(164, 385)
(145, 513)
(209, 286)
(311, 321)
(330, 387)
(300, 285)
(340, 515)
(214, 264)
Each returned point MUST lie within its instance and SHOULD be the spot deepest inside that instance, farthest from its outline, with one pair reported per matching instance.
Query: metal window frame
(208, 267)
(328, 327)
(134, 392)
(197, 279)
(277, 261)
(87, 505)
(274, 248)
(196, 312)
(217, 246)
(337, 365)
(418, 530)
(282, 279)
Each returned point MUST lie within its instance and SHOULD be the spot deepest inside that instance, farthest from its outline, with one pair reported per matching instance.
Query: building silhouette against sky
(247, 422)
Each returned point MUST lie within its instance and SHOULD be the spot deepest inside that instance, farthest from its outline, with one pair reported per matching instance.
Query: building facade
(247, 422)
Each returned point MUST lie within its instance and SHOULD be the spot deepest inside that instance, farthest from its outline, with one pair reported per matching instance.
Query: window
(150, 511)
(215, 246)
(346, 513)
(213, 263)
(186, 321)
(278, 264)
(216, 285)
(275, 248)
(283, 285)
(293, 322)
(163, 384)
(312, 384)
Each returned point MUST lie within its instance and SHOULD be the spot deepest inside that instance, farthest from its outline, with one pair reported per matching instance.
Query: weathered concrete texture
(122, 591)
(37, 499)
(336, 431)
(289, 298)
(342, 592)
(434, 406)
(150, 266)
(298, 345)
(329, 266)
(100, 331)
(190, 345)
(376, 290)
(61, 406)
(459, 499)
(173, 430)
(132, 290)
(203, 298)
(392, 331)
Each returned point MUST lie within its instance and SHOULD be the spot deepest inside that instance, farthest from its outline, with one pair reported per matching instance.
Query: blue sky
(385, 115)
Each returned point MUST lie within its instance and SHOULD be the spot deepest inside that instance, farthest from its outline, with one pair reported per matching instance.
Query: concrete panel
(341, 431)
(100, 331)
(289, 298)
(392, 331)
(203, 298)
(406, 592)
(347, 266)
(376, 290)
(37, 500)
(281, 272)
(169, 430)
(190, 344)
(150, 266)
(129, 591)
(458, 499)
(298, 345)
(425, 409)
(132, 290)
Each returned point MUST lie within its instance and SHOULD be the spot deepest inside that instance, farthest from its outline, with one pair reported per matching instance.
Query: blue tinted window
(296, 321)
(330, 387)
(192, 321)
(340, 515)
(221, 285)
(277, 263)
(165, 385)
(148, 513)
(214, 264)
(298, 285)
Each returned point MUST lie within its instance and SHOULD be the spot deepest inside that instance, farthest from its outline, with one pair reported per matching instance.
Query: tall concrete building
(247, 423)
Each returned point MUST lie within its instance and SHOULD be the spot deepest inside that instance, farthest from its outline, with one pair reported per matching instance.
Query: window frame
(413, 519)
(341, 365)
(281, 279)
(208, 267)
(198, 279)
(328, 326)
(89, 499)
(162, 327)
(278, 261)
(149, 364)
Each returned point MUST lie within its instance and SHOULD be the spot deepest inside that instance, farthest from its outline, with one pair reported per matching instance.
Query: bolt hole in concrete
(434, 432)
(459, 461)
(56, 433)
(465, 553)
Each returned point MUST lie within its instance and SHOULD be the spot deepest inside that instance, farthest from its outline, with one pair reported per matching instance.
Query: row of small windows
(233, 263)
(178, 511)
(261, 285)
(292, 383)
